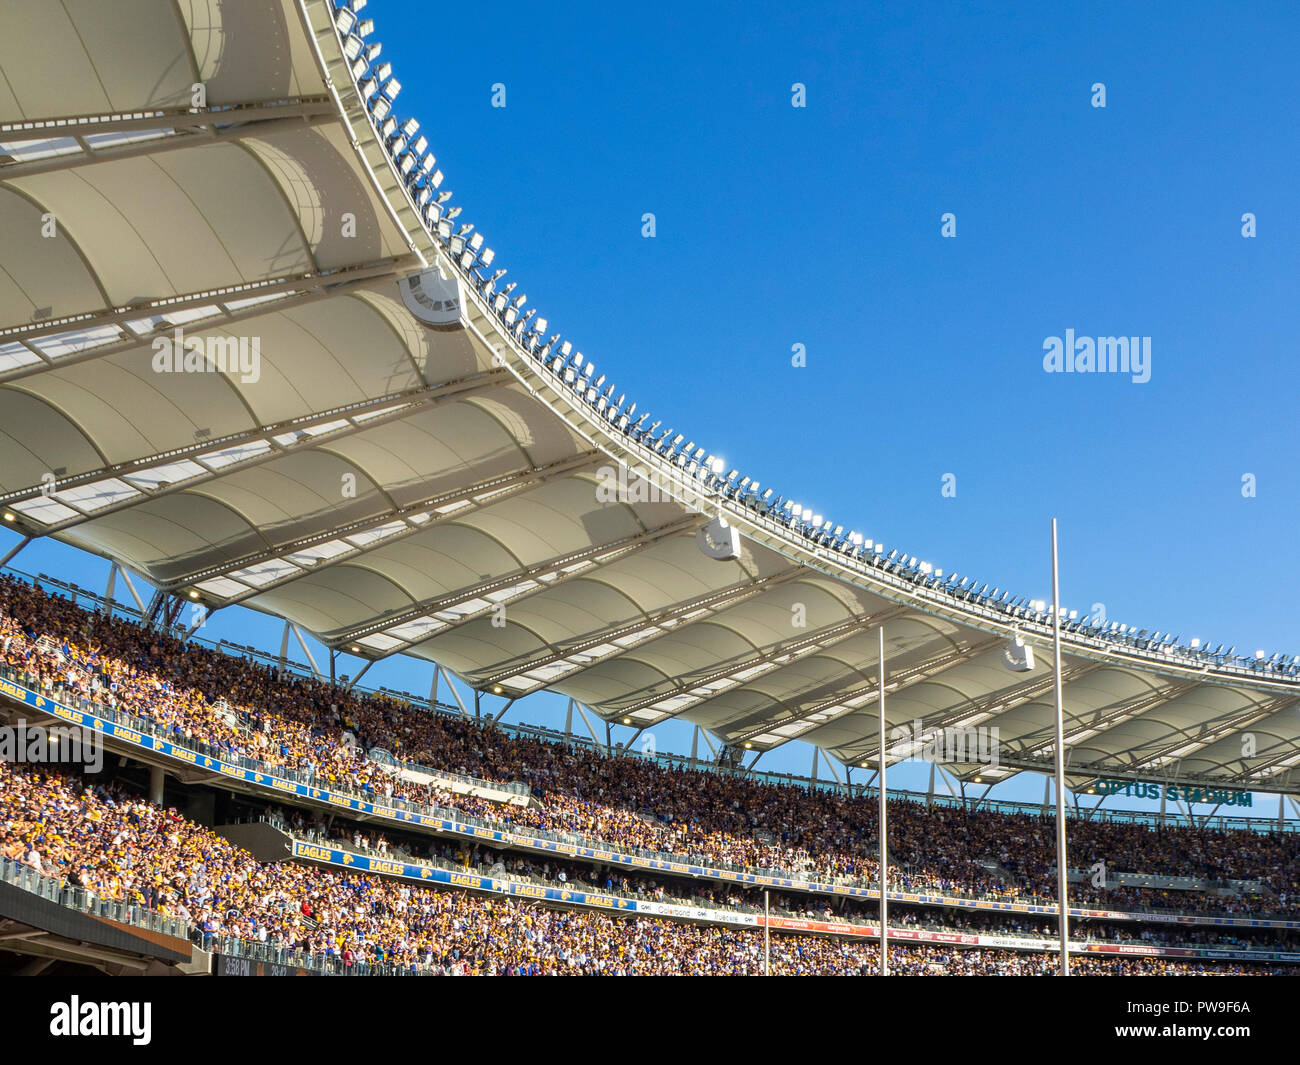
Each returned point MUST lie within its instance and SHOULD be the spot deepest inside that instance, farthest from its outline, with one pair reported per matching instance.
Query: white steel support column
(884, 827)
(1062, 884)
(13, 552)
(302, 642)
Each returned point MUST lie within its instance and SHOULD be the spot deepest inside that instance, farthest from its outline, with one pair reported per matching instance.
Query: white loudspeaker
(719, 540)
(1018, 656)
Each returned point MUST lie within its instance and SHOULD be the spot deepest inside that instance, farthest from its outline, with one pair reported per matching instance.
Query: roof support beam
(162, 118)
(1103, 719)
(214, 127)
(713, 603)
(352, 683)
(130, 587)
(454, 693)
(553, 568)
(493, 491)
(395, 406)
(820, 640)
(307, 651)
(590, 727)
(866, 692)
(294, 290)
(12, 553)
(1215, 730)
(1010, 698)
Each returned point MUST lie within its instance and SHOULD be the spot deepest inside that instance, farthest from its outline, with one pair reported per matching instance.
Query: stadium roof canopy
(411, 451)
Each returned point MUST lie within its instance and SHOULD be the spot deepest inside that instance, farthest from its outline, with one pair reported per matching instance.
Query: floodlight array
(575, 374)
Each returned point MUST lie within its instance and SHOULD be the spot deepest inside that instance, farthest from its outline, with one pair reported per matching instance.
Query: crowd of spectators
(116, 846)
(241, 708)
(555, 872)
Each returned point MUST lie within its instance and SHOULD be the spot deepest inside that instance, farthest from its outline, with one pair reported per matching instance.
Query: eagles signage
(1144, 789)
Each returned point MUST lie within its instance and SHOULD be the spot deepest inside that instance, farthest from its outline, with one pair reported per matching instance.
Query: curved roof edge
(398, 161)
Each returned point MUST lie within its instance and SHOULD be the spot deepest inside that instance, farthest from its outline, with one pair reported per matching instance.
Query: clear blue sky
(821, 225)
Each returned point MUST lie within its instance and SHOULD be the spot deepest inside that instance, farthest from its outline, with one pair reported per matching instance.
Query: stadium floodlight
(410, 127)
(358, 63)
(476, 241)
(381, 106)
(443, 197)
(372, 53)
(344, 19)
(365, 27)
(351, 49)
(357, 5)
(453, 213)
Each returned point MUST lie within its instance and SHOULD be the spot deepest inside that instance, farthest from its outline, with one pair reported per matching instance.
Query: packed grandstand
(100, 836)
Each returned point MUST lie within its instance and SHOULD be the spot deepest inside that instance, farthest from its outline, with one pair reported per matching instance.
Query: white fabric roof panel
(387, 483)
